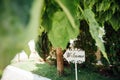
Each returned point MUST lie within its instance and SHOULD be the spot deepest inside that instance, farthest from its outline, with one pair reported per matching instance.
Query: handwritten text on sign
(72, 55)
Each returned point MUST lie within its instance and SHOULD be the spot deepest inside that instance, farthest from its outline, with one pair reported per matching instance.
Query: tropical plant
(60, 19)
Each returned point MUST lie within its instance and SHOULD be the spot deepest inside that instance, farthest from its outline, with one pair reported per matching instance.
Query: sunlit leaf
(70, 9)
(61, 25)
(61, 31)
(94, 30)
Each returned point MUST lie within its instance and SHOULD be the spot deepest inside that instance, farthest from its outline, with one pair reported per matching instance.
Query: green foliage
(71, 10)
(97, 13)
(62, 24)
(86, 42)
(104, 11)
(61, 30)
(112, 45)
(43, 45)
(115, 21)
(16, 30)
(20, 19)
(103, 5)
(94, 30)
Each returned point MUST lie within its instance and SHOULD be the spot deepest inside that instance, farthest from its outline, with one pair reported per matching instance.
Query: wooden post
(60, 67)
(98, 57)
(98, 54)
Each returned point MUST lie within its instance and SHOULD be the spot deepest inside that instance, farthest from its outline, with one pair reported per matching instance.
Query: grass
(50, 71)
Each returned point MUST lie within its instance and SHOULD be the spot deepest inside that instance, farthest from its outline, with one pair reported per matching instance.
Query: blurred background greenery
(18, 25)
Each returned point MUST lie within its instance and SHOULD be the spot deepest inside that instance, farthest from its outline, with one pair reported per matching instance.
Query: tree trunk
(60, 67)
(98, 57)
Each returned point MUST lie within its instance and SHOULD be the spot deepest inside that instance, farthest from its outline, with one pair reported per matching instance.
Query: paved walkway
(14, 73)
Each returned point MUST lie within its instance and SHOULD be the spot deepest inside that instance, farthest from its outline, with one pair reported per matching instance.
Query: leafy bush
(43, 45)
(112, 45)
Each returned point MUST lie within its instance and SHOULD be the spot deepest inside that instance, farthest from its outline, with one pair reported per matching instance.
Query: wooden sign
(75, 55)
